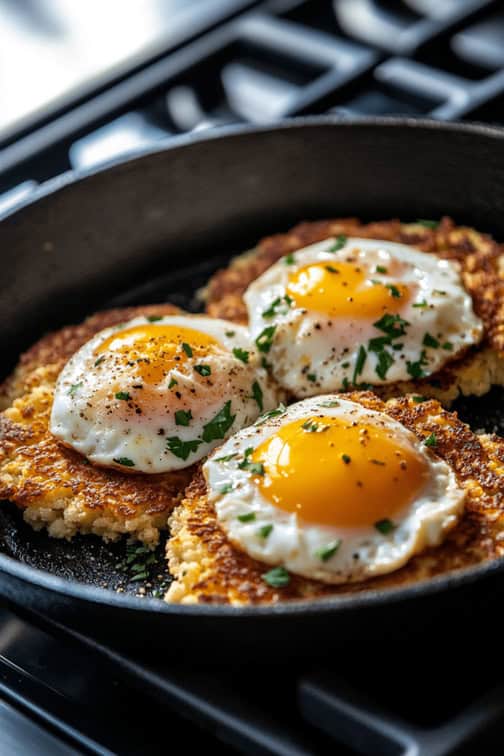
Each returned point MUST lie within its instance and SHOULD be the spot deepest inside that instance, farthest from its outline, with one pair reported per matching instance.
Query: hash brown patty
(482, 267)
(208, 568)
(55, 486)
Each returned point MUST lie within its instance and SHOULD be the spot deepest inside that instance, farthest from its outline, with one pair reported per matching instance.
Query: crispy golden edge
(481, 260)
(57, 487)
(209, 569)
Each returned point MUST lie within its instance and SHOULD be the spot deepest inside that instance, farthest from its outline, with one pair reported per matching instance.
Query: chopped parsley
(326, 552)
(430, 341)
(393, 290)
(280, 410)
(183, 417)
(230, 334)
(431, 440)
(419, 399)
(359, 364)
(226, 458)
(124, 461)
(422, 304)
(416, 369)
(289, 259)
(257, 395)
(427, 223)
(187, 349)
(448, 346)
(311, 377)
(203, 370)
(339, 243)
(172, 383)
(331, 269)
(123, 395)
(219, 424)
(226, 488)
(393, 325)
(241, 354)
(278, 577)
(180, 448)
(310, 426)
(330, 403)
(279, 306)
(385, 526)
(99, 361)
(265, 339)
(381, 269)
(264, 531)
(257, 468)
(74, 388)
(346, 459)
(249, 517)
(154, 318)
(385, 361)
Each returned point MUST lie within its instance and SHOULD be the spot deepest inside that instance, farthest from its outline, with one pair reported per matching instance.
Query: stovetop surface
(65, 694)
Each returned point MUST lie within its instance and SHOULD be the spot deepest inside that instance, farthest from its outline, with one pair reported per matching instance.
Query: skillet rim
(325, 606)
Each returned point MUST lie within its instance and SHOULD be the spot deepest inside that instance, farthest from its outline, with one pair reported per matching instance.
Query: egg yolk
(333, 471)
(343, 289)
(154, 350)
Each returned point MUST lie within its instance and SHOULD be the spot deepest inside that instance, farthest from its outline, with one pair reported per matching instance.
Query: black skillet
(152, 229)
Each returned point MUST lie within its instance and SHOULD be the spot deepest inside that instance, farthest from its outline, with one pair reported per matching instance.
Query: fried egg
(158, 393)
(359, 312)
(331, 490)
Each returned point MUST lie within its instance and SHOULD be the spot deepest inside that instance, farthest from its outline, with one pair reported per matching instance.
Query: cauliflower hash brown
(481, 261)
(208, 568)
(53, 485)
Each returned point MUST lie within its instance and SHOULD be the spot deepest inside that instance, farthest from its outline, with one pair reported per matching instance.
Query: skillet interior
(137, 221)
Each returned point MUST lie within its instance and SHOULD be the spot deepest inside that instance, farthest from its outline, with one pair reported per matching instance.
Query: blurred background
(81, 83)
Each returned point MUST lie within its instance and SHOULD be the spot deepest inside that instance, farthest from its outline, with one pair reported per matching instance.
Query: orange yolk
(155, 350)
(331, 471)
(343, 289)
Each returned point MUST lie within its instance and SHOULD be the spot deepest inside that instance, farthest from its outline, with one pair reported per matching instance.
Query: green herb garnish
(203, 370)
(381, 269)
(280, 410)
(359, 364)
(74, 388)
(180, 448)
(385, 526)
(183, 417)
(416, 369)
(326, 552)
(219, 424)
(172, 383)
(448, 346)
(430, 341)
(230, 334)
(278, 577)
(279, 306)
(310, 426)
(265, 339)
(187, 349)
(123, 395)
(311, 377)
(289, 259)
(226, 488)
(264, 531)
(99, 361)
(339, 243)
(249, 517)
(423, 303)
(427, 223)
(154, 318)
(346, 459)
(241, 354)
(124, 461)
(257, 395)
(393, 325)
(393, 290)
(419, 399)
(226, 458)
(257, 468)
(431, 440)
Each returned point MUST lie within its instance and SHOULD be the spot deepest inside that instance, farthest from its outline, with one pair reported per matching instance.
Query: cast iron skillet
(153, 228)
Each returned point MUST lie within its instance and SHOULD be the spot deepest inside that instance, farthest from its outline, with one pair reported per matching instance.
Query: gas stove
(256, 62)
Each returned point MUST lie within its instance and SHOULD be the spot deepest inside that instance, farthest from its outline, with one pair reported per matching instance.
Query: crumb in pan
(209, 569)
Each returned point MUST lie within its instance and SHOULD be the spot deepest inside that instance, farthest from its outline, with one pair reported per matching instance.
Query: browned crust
(477, 253)
(37, 472)
(228, 575)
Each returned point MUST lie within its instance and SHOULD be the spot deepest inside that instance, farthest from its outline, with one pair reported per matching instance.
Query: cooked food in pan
(146, 418)
(315, 498)
(151, 393)
(389, 306)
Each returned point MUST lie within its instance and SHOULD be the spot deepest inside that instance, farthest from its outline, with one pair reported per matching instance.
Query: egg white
(312, 353)
(99, 430)
(363, 552)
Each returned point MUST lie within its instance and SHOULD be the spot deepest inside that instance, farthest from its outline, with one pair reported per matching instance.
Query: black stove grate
(68, 694)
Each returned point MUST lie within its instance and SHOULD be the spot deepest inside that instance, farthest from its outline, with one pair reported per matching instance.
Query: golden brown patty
(55, 486)
(481, 260)
(209, 569)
